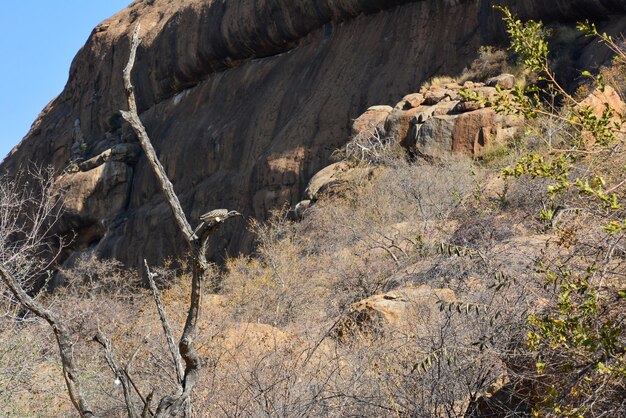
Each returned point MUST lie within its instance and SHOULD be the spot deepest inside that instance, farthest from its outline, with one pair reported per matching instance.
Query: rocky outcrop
(440, 119)
(412, 311)
(245, 100)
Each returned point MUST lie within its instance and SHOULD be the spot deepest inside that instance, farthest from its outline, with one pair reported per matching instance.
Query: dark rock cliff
(244, 101)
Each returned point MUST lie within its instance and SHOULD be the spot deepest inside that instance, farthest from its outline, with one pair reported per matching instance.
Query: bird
(215, 217)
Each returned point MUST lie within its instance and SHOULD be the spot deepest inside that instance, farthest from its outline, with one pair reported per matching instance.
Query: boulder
(598, 100)
(91, 198)
(398, 123)
(442, 122)
(467, 106)
(473, 131)
(370, 121)
(435, 136)
(298, 211)
(487, 92)
(444, 108)
(410, 310)
(323, 178)
(410, 101)
(504, 81)
(438, 94)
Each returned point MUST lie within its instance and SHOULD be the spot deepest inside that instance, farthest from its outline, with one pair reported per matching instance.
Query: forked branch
(172, 404)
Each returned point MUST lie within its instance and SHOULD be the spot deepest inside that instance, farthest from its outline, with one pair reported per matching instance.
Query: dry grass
(269, 337)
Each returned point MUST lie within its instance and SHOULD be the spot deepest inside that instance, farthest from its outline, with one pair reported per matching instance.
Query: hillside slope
(244, 101)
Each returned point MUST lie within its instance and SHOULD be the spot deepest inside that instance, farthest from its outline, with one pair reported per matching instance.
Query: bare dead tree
(197, 242)
(172, 404)
(29, 207)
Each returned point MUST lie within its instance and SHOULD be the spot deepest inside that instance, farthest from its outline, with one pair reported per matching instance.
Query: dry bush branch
(167, 330)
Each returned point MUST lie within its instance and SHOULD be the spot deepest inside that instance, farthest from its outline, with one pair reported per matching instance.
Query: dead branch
(127, 368)
(167, 330)
(172, 404)
(146, 409)
(120, 374)
(132, 117)
(64, 341)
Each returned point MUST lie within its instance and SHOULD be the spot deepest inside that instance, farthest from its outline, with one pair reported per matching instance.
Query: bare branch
(132, 117)
(171, 405)
(146, 401)
(64, 341)
(146, 409)
(118, 371)
(167, 330)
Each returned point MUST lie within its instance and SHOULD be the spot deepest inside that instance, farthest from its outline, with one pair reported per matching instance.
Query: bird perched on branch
(215, 217)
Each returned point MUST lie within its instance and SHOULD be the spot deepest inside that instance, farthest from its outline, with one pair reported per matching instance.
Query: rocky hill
(453, 244)
(245, 100)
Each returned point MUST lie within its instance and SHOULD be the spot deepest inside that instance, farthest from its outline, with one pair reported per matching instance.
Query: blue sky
(38, 40)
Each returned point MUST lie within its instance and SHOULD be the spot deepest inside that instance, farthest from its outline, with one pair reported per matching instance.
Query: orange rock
(374, 118)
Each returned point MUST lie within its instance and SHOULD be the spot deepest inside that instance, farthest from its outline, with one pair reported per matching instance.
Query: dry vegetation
(282, 337)
(410, 289)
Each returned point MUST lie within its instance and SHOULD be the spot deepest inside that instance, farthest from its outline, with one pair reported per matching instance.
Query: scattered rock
(437, 120)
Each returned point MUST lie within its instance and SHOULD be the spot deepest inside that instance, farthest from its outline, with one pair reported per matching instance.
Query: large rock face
(244, 100)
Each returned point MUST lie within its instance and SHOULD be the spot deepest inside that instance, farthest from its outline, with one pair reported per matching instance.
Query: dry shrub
(370, 147)
(100, 296)
(435, 368)
(89, 275)
(347, 247)
(490, 62)
(615, 76)
(280, 284)
(439, 81)
(267, 338)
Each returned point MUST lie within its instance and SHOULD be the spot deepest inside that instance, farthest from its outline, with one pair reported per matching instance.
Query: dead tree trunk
(197, 242)
(171, 405)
